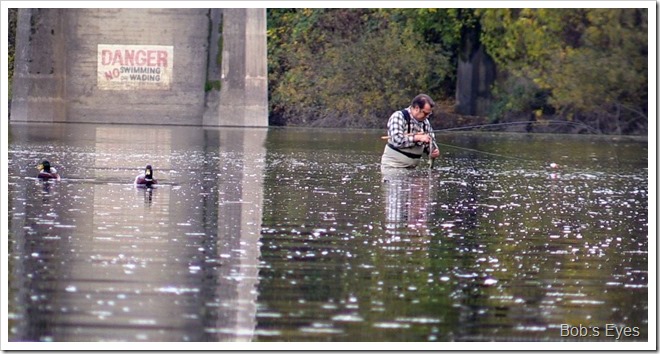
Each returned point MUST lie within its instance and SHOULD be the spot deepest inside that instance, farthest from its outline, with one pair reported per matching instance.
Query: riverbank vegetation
(11, 46)
(354, 67)
(562, 70)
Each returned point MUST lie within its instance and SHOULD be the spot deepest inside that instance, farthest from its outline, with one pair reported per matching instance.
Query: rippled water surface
(297, 235)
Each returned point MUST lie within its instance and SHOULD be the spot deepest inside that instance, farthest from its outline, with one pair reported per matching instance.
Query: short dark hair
(421, 100)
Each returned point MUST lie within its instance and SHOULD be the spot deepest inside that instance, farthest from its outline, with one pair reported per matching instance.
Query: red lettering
(106, 57)
(109, 75)
(117, 58)
(128, 58)
(134, 57)
(140, 57)
(162, 58)
(152, 57)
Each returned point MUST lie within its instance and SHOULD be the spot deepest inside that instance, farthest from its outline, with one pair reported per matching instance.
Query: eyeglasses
(426, 114)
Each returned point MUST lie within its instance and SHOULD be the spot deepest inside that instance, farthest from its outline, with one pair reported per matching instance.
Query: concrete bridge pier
(244, 72)
(39, 71)
(141, 66)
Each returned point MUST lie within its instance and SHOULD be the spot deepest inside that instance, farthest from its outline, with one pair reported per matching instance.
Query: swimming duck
(146, 179)
(46, 172)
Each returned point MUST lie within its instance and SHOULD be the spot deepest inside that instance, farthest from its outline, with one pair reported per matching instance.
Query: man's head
(421, 107)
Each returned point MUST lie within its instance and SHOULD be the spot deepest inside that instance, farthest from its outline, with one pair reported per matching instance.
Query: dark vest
(414, 152)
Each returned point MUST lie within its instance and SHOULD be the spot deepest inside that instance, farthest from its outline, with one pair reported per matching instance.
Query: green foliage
(592, 62)
(11, 52)
(517, 98)
(352, 67)
(444, 28)
(210, 85)
(610, 68)
(346, 67)
(378, 73)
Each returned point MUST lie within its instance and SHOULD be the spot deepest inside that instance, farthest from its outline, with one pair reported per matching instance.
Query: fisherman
(410, 134)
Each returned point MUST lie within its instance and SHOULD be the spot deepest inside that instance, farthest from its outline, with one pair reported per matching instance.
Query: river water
(295, 235)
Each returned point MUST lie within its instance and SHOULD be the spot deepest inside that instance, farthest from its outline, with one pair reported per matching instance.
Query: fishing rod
(550, 122)
(431, 145)
(590, 129)
(434, 143)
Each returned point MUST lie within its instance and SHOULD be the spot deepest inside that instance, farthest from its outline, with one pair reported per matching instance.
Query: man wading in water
(409, 134)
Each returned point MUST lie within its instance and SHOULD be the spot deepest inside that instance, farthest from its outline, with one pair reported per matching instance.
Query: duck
(47, 172)
(146, 179)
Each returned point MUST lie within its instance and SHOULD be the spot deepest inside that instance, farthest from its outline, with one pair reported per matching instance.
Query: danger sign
(132, 67)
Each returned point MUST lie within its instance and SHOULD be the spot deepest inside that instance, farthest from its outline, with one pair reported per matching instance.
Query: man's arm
(397, 131)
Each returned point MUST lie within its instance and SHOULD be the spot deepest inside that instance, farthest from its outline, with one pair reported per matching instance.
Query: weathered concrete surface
(39, 67)
(57, 67)
(214, 64)
(244, 69)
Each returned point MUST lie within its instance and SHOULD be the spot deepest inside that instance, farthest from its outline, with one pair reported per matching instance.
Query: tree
(590, 65)
(345, 67)
(11, 44)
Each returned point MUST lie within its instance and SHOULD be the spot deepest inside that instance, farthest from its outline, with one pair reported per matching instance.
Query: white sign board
(134, 67)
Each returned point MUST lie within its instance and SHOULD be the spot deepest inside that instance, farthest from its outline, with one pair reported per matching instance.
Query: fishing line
(551, 122)
(504, 124)
(485, 152)
(590, 129)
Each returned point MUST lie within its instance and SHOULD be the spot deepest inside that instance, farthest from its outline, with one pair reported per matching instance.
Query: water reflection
(407, 200)
(96, 259)
(239, 208)
(287, 235)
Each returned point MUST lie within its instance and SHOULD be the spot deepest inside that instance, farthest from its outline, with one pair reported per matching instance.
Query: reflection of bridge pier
(240, 209)
(110, 262)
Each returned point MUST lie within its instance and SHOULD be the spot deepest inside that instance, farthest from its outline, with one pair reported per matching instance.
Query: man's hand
(424, 138)
(435, 153)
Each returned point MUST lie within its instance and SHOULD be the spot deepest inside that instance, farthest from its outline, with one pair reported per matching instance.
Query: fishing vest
(413, 152)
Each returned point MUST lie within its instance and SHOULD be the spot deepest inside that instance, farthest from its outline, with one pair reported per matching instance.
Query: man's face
(422, 113)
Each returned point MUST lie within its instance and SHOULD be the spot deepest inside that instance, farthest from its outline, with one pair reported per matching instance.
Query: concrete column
(57, 66)
(39, 67)
(244, 80)
(213, 74)
(215, 19)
